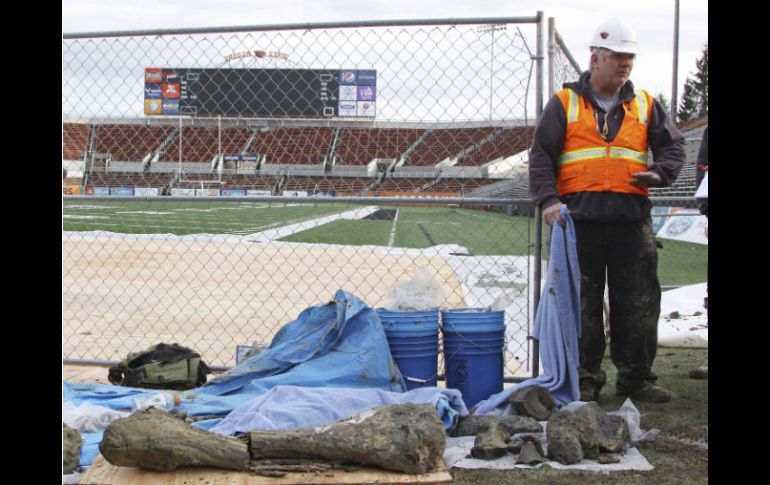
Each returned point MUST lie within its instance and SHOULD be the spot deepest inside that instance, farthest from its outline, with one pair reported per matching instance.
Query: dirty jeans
(626, 253)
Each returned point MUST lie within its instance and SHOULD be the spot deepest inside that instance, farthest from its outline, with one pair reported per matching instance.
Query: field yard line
(288, 230)
(392, 239)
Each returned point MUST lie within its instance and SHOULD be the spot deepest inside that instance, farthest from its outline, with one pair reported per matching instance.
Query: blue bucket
(413, 341)
(474, 341)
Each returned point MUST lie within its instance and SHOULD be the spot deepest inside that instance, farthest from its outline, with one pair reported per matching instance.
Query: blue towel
(285, 407)
(557, 326)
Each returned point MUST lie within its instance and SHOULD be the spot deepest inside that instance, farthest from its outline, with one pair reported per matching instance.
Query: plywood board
(103, 473)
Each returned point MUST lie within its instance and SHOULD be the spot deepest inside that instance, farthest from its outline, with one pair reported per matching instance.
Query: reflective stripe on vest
(588, 163)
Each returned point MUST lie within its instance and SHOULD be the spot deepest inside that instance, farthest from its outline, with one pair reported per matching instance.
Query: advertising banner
(181, 191)
(258, 192)
(295, 193)
(687, 225)
(207, 192)
(234, 192)
(71, 189)
(101, 191)
(146, 191)
(121, 191)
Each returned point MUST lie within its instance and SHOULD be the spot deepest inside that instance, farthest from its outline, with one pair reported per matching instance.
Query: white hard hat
(616, 36)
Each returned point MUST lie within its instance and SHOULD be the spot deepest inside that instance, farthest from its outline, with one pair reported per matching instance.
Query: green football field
(480, 232)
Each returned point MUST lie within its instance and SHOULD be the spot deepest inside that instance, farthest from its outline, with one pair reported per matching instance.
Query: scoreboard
(305, 93)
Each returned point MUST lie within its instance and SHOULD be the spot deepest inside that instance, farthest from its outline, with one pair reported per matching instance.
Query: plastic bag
(629, 412)
(421, 292)
(88, 417)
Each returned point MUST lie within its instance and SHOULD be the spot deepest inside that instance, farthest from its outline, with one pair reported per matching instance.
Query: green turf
(180, 218)
(481, 233)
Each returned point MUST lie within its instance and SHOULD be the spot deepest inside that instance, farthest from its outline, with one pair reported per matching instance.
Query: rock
(154, 439)
(490, 443)
(571, 437)
(674, 315)
(534, 401)
(612, 431)
(530, 455)
(72, 443)
(516, 442)
(606, 459)
(473, 425)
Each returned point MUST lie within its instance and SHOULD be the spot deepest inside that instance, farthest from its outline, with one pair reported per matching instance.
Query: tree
(702, 81)
(695, 99)
(663, 102)
(688, 108)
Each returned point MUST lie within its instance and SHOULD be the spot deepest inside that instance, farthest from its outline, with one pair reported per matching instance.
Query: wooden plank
(103, 473)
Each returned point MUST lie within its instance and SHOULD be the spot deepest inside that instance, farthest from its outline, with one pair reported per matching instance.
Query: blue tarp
(557, 326)
(340, 344)
(286, 407)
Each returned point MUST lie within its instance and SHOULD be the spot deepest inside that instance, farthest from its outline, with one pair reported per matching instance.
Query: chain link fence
(220, 181)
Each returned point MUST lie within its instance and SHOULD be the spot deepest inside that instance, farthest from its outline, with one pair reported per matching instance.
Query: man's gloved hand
(553, 213)
(645, 179)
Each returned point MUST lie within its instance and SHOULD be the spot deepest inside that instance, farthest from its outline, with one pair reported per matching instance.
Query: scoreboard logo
(170, 106)
(366, 93)
(152, 91)
(367, 78)
(152, 107)
(170, 77)
(171, 91)
(348, 77)
(153, 75)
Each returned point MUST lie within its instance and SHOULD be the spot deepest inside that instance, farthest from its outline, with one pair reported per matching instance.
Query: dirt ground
(679, 453)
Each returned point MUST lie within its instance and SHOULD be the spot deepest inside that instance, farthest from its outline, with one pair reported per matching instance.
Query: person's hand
(553, 213)
(645, 179)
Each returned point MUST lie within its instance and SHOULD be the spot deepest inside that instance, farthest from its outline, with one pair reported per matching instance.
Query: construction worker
(590, 153)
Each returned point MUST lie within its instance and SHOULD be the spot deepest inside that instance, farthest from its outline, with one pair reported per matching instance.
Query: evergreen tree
(702, 81)
(663, 102)
(695, 99)
(688, 108)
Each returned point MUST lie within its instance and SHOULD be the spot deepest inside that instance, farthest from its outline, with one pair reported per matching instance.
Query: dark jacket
(665, 141)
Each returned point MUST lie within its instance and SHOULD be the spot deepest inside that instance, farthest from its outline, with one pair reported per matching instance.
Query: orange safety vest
(588, 163)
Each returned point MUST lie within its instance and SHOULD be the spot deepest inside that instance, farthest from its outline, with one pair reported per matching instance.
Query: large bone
(156, 440)
(402, 437)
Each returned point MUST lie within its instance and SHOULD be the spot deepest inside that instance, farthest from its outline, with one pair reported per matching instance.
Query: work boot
(648, 393)
(588, 391)
(701, 372)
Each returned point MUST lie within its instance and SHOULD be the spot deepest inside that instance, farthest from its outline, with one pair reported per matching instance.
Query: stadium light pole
(676, 62)
(491, 28)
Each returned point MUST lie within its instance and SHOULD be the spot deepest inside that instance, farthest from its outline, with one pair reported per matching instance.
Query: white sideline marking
(392, 239)
(288, 230)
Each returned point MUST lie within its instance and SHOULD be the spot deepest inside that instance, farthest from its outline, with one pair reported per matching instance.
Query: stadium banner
(258, 192)
(413, 195)
(659, 217)
(294, 193)
(121, 191)
(309, 93)
(101, 191)
(146, 191)
(89, 190)
(183, 192)
(687, 225)
(322, 193)
(234, 192)
(207, 192)
(70, 189)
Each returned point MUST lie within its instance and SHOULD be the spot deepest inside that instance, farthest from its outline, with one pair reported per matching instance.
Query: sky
(576, 20)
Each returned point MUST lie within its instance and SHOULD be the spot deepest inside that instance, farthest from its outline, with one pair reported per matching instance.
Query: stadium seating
(358, 146)
(447, 143)
(75, 141)
(129, 143)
